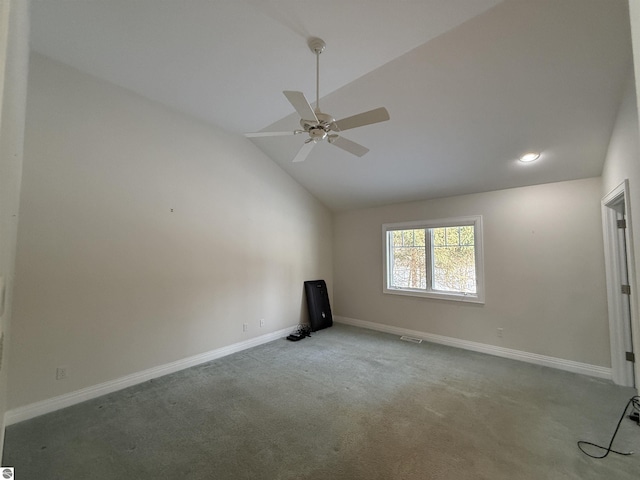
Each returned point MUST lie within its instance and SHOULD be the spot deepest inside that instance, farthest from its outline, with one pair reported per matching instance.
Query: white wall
(14, 53)
(634, 15)
(634, 18)
(544, 271)
(623, 155)
(623, 163)
(110, 281)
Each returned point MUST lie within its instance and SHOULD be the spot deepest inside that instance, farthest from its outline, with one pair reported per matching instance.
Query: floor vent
(411, 339)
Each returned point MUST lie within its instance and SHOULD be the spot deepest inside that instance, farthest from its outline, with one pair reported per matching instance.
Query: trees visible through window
(409, 259)
(454, 262)
(435, 258)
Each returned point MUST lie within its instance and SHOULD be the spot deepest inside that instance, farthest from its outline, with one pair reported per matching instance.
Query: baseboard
(553, 362)
(50, 405)
(32, 410)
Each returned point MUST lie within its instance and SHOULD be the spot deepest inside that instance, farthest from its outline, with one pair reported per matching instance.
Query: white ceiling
(469, 84)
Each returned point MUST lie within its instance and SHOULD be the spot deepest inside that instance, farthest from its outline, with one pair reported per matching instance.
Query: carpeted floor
(344, 404)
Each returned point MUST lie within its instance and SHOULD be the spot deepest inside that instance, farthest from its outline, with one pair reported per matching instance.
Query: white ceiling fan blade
(300, 103)
(366, 118)
(269, 134)
(345, 144)
(304, 152)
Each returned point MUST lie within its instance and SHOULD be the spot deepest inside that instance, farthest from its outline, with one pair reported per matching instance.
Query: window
(435, 258)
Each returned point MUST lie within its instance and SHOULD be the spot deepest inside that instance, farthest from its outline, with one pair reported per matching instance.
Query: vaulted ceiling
(470, 85)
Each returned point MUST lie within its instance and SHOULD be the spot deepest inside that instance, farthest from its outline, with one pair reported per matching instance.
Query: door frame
(621, 370)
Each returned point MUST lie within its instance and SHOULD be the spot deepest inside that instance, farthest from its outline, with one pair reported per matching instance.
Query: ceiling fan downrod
(317, 46)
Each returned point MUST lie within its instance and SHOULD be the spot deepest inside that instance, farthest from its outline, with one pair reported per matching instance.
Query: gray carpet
(346, 403)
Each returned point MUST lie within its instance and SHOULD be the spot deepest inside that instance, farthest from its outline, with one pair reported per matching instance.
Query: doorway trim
(622, 371)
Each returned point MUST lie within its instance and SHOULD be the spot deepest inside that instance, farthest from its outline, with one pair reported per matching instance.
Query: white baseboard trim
(32, 410)
(553, 362)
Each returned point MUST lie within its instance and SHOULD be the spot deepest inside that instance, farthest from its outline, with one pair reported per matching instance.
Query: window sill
(456, 297)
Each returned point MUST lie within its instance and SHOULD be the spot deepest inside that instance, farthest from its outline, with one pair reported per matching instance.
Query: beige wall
(14, 43)
(110, 281)
(544, 271)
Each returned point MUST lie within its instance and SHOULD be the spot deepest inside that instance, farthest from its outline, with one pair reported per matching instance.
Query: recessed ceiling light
(529, 157)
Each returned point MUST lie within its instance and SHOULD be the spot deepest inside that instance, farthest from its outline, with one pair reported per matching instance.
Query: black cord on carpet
(634, 402)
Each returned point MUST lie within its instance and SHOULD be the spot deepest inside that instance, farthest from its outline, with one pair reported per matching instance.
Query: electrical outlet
(61, 373)
(261, 322)
(245, 327)
(500, 332)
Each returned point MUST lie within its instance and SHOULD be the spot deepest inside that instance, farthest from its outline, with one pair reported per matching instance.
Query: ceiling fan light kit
(321, 126)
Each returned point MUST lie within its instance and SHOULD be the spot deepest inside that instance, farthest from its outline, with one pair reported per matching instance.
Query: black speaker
(318, 304)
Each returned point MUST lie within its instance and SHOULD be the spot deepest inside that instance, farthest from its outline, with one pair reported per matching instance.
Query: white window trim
(475, 220)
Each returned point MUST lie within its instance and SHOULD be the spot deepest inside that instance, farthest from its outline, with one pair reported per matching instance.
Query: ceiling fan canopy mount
(316, 45)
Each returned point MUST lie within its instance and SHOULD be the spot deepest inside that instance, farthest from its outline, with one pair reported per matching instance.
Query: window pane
(407, 236)
(452, 235)
(466, 235)
(454, 266)
(397, 238)
(439, 238)
(408, 262)
(435, 259)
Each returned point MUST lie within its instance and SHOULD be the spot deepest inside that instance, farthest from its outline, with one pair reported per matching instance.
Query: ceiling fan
(322, 126)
